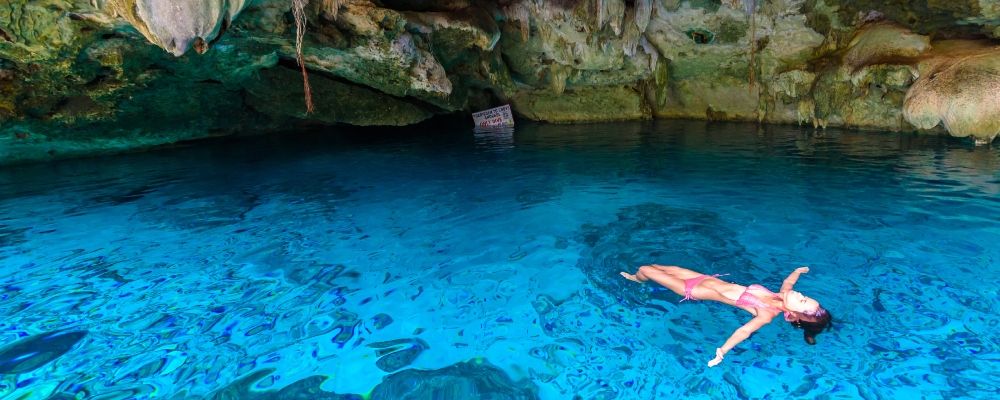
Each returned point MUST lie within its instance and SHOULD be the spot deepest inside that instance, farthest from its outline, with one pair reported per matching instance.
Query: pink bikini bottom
(689, 284)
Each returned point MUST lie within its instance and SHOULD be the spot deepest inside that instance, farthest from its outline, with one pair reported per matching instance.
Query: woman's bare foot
(630, 277)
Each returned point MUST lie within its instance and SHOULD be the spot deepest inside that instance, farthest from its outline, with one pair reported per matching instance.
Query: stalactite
(557, 78)
(630, 39)
(602, 13)
(567, 50)
(660, 7)
(658, 70)
(580, 50)
(649, 49)
(643, 10)
(661, 77)
(175, 26)
(547, 36)
(522, 14)
(750, 6)
(332, 7)
(546, 12)
(299, 12)
(616, 13)
(734, 4)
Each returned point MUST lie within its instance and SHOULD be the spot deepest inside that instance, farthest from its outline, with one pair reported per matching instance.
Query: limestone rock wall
(176, 25)
(92, 76)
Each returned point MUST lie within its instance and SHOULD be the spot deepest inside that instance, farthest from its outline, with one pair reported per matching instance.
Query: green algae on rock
(593, 104)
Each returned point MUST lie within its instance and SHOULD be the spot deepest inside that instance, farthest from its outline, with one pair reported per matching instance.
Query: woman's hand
(718, 358)
(802, 270)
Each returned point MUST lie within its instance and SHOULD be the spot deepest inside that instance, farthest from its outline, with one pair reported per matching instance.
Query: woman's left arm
(792, 279)
(741, 334)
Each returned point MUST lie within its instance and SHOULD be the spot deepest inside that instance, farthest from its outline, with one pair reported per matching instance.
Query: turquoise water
(434, 260)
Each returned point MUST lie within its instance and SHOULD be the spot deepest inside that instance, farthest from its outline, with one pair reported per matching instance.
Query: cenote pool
(437, 263)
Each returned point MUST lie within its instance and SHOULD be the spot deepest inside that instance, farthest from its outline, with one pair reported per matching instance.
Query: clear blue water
(325, 263)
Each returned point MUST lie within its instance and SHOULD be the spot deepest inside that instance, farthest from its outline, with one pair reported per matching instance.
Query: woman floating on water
(803, 312)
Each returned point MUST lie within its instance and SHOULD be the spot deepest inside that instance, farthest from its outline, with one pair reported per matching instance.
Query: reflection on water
(395, 264)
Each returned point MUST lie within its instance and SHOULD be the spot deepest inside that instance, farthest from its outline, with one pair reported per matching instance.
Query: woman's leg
(678, 272)
(659, 274)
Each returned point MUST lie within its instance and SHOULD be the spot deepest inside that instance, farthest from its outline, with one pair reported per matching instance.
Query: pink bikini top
(752, 297)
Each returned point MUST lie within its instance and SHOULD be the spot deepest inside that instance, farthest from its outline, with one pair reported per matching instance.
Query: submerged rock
(11, 236)
(471, 380)
(31, 353)
(304, 389)
(398, 354)
(648, 233)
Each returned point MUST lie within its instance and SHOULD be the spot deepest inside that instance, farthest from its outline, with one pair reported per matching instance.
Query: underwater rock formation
(476, 379)
(98, 76)
(305, 389)
(28, 354)
(472, 380)
(658, 232)
(396, 354)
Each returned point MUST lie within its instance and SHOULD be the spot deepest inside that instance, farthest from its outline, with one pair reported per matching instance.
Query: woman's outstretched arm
(741, 334)
(792, 278)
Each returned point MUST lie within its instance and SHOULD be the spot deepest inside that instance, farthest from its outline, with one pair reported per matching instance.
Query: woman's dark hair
(823, 321)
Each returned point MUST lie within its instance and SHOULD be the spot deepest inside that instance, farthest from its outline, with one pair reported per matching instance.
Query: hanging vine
(299, 12)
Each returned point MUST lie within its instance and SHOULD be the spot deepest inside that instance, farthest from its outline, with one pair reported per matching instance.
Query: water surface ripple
(326, 262)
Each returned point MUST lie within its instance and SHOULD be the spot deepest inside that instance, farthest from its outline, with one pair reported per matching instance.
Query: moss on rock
(336, 101)
(588, 104)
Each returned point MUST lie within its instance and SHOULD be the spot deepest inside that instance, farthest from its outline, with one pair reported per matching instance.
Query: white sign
(499, 117)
